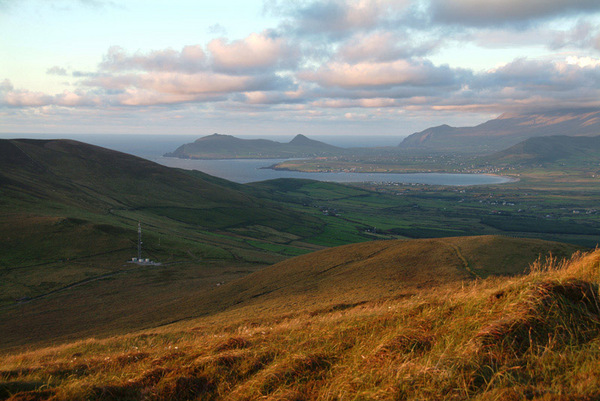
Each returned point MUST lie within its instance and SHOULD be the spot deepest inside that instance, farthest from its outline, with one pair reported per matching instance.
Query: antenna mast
(139, 240)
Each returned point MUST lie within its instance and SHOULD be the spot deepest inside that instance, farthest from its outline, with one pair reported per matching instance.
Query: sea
(152, 147)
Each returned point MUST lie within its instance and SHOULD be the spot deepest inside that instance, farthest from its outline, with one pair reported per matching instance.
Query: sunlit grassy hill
(379, 269)
(532, 337)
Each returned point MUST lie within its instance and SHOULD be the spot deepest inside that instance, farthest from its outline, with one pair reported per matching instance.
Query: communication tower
(139, 241)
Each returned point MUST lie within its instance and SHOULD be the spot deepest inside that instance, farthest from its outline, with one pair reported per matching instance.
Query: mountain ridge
(551, 149)
(505, 131)
(219, 146)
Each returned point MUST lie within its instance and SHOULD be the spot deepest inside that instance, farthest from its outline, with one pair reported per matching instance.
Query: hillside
(531, 337)
(566, 150)
(58, 180)
(379, 269)
(343, 275)
(505, 131)
(229, 147)
(68, 226)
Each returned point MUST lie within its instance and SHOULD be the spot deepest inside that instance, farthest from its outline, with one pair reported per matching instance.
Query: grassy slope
(532, 337)
(73, 192)
(343, 275)
(379, 269)
(68, 221)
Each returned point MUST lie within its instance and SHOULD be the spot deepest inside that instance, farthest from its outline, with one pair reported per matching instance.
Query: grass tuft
(233, 343)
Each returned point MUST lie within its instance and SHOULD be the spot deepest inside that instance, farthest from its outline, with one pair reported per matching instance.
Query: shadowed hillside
(60, 190)
(549, 150)
(68, 225)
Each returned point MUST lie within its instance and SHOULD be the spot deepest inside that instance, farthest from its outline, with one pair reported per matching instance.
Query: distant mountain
(218, 146)
(551, 149)
(505, 131)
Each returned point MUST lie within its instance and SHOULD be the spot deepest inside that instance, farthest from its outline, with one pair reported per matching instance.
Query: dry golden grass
(532, 337)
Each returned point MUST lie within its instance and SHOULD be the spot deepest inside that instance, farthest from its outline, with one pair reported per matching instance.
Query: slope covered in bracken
(535, 336)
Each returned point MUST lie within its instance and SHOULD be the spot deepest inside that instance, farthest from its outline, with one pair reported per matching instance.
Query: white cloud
(255, 52)
(583, 62)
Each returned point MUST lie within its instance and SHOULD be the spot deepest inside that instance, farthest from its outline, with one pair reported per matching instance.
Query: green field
(370, 211)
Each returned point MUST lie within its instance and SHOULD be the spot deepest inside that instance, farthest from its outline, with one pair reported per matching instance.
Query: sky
(355, 67)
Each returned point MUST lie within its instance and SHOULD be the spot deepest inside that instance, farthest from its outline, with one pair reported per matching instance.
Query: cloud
(262, 51)
(56, 70)
(502, 12)
(384, 46)
(217, 29)
(356, 103)
(583, 61)
(583, 35)
(6, 4)
(19, 98)
(6, 86)
(332, 55)
(145, 97)
(189, 59)
(336, 18)
(98, 3)
(253, 54)
(11, 97)
(536, 76)
(75, 99)
(202, 83)
(386, 74)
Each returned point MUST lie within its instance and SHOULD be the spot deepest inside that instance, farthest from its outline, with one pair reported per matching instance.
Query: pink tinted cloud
(367, 103)
(74, 99)
(385, 46)
(9, 96)
(160, 87)
(174, 82)
(145, 97)
(372, 74)
(258, 51)
(205, 82)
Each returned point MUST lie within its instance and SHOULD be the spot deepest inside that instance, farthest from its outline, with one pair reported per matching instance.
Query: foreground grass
(529, 337)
